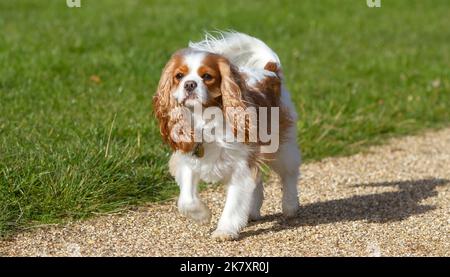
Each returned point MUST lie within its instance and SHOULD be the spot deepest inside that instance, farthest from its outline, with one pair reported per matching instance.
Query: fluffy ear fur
(162, 102)
(165, 107)
(233, 101)
(231, 85)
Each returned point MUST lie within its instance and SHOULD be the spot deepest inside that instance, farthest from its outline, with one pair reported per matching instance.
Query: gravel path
(390, 200)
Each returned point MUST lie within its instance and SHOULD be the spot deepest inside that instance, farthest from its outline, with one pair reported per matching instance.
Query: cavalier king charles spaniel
(216, 102)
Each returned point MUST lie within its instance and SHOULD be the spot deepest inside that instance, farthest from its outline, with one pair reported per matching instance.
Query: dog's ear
(232, 99)
(173, 119)
(163, 103)
(231, 85)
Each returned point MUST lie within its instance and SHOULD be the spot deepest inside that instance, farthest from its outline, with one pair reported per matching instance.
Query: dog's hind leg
(287, 166)
(258, 195)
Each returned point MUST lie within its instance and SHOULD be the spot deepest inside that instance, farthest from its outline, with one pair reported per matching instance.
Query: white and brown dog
(234, 71)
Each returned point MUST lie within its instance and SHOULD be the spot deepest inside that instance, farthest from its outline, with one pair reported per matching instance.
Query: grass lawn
(77, 135)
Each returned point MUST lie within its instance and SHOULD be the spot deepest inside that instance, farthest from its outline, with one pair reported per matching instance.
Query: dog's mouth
(190, 100)
(191, 96)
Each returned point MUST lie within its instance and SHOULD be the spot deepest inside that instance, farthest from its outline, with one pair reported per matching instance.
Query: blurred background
(77, 136)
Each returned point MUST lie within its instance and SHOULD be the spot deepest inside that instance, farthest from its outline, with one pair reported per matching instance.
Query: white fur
(242, 50)
(255, 75)
(227, 162)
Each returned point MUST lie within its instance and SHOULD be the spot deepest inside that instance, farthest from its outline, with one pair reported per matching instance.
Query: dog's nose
(189, 86)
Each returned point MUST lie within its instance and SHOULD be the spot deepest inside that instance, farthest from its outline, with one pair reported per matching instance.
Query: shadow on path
(380, 208)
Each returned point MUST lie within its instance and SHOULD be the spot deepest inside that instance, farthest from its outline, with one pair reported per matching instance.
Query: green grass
(71, 147)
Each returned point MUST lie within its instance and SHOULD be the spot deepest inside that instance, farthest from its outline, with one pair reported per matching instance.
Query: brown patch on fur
(271, 66)
(211, 67)
(267, 93)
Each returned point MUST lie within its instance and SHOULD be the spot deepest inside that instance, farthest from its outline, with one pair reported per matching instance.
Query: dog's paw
(291, 207)
(254, 216)
(221, 235)
(291, 212)
(196, 211)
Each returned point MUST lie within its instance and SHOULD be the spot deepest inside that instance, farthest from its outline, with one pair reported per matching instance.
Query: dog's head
(193, 78)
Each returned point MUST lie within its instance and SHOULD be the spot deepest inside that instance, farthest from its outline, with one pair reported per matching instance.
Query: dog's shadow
(375, 208)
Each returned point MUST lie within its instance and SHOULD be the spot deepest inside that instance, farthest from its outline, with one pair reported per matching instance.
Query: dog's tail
(242, 50)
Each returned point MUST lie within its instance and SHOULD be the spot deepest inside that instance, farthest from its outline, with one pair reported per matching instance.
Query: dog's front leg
(189, 204)
(237, 207)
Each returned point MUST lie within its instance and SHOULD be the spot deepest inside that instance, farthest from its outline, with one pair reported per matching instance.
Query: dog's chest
(219, 162)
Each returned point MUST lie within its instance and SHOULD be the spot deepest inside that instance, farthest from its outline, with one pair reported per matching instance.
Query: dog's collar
(199, 150)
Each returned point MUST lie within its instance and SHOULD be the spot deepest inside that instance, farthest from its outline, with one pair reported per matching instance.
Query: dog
(229, 74)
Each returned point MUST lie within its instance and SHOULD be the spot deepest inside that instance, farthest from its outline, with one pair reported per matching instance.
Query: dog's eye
(179, 76)
(206, 77)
